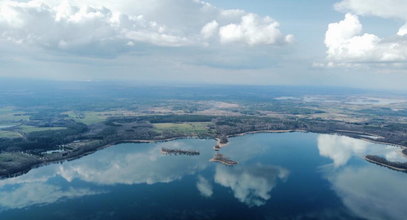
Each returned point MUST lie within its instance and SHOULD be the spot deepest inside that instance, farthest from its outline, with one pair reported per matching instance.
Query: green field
(9, 134)
(8, 114)
(193, 128)
(29, 129)
(87, 118)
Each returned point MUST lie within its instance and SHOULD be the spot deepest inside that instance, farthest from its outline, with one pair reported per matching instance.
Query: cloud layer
(106, 27)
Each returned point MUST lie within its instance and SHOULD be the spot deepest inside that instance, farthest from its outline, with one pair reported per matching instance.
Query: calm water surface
(279, 176)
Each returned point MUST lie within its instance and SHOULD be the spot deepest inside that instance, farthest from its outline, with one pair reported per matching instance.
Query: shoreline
(385, 165)
(219, 145)
(16, 172)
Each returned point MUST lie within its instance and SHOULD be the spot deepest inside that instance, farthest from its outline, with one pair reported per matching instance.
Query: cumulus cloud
(381, 8)
(68, 27)
(252, 30)
(250, 184)
(210, 29)
(110, 27)
(347, 43)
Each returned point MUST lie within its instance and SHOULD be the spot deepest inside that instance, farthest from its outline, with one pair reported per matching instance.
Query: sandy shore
(220, 145)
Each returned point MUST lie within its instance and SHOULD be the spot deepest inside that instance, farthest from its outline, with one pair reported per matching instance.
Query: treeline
(384, 111)
(234, 125)
(162, 119)
(286, 108)
(39, 141)
(117, 133)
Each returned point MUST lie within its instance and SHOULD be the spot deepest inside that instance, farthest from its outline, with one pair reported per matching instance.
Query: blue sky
(351, 43)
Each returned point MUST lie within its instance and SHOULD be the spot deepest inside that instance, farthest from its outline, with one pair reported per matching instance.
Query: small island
(223, 160)
(168, 151)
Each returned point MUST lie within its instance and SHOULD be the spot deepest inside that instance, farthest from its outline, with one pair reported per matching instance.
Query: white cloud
(347, 44)
(252, 30)
(108, 27)
(210, 29)
(380, 8)
(402, 31)
(70, 27)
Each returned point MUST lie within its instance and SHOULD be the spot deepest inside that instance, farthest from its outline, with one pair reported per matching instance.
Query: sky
(345, 43)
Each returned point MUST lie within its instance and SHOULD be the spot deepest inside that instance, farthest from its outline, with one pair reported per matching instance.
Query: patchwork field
(29, 129)
(87, 117)
(193, 128)
(9, 114)
(9, 134)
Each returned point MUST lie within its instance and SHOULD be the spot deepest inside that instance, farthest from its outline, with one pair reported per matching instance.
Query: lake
(279, 176)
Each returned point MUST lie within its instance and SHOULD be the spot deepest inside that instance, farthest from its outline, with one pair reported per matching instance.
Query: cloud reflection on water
(133, 167)
(38, 193)
(250, 184)
(143, 164)
(372, 192)
(341, 149)
(117, 165)
(204, 187)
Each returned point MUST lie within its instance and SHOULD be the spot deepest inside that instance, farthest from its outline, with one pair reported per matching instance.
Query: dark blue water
(279, 176)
